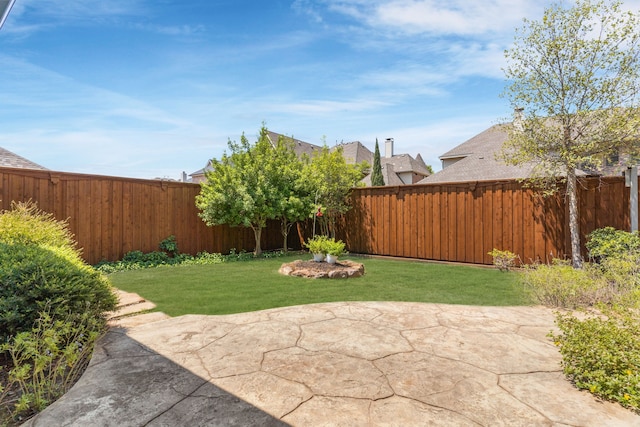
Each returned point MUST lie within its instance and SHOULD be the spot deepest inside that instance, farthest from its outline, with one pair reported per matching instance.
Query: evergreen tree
(376, 174)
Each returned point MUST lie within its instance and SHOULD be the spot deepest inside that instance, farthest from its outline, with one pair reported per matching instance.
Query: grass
(235, 287)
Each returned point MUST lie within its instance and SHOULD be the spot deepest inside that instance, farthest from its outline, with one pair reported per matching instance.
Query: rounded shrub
(607, 242)
(38, 278)
(26, 224)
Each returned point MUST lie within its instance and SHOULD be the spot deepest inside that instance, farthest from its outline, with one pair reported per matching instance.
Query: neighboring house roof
(12, 160)
(353, 152)
(300, 147)
(476, 160)
(406, 163)
(203, 171)
(389, 174)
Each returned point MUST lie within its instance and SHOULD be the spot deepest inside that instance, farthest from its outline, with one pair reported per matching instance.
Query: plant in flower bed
(503, 260)
(45, 362)
(600, 349)
(137, 260)
(52, 309)
(602, 355)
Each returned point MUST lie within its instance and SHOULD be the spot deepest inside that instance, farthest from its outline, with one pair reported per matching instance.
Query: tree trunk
(300, 234)
(285, 227)
(574, 225)
(257, 232)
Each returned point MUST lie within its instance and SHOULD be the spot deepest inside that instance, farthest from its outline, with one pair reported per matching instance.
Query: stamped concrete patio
(334, 364)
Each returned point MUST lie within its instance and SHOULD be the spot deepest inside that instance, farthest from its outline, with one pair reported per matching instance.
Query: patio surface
(333, 364)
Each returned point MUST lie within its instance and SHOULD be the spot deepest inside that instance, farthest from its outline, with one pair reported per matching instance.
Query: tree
(330, 179)
(241, 189)
(293, 201)
(376, 175)
(575, 74)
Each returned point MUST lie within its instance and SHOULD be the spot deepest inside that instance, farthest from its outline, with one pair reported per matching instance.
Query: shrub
(46, 361)
(622, 271)
(36, 277)
(560, 285)
(503, 260)
(608, 242)
(602, 355)
(137, 260)
(26, 224)
(169, 246)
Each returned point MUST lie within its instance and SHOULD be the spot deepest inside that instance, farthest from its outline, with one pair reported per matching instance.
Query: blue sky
(151, 88)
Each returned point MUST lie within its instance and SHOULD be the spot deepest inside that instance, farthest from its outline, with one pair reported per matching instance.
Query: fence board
(110, 216)
(463, 221)
(451, 222)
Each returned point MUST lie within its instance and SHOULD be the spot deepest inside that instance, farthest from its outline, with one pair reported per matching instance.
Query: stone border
(322, 270)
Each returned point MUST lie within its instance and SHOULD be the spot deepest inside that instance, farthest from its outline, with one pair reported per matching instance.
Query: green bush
(560, 285)
(622, 271)
(26, 224)
(137, 260)
(169, 246)
(608, 242)
(34, 278)
(503, 260)
(602, 355)
(46, 361)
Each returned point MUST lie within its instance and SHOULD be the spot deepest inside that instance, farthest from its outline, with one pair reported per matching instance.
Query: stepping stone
(137, 320)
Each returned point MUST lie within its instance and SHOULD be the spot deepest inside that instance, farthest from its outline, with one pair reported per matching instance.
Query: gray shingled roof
(478, 160)
(389, 174)
(355, 152)
(405, 163)
(12, 160)
(300, 147)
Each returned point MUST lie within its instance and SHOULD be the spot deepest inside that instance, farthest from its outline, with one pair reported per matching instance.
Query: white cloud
(460, 17)
(323, 107)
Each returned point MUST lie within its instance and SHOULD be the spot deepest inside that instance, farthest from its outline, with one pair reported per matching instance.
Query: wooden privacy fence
(110, 216)
(462, 222)
(459, 222)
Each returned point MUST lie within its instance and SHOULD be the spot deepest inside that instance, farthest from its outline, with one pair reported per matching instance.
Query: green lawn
(235, 287)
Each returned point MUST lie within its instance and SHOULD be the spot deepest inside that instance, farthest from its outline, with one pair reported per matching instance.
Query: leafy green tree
(240, 189)
(575, 74)
(377, 179)
(330, 179)
(293, 202)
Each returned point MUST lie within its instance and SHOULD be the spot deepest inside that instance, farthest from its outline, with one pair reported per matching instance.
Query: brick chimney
(388, 148)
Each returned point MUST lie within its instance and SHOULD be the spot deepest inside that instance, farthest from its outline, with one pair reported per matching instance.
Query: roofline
(455, 156)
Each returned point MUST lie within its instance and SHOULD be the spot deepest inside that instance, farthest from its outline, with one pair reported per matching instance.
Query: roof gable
(355, 152)
(299, 147)
(12, 160)
(490, 139)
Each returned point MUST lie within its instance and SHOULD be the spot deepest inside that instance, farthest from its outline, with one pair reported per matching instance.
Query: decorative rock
(322, 270)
